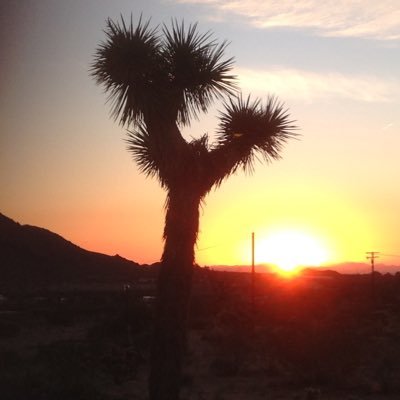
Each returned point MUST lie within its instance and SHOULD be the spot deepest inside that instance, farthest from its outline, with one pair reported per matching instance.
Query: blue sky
(335, 64)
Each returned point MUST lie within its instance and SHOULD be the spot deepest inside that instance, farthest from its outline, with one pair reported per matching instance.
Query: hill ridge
(31, 255)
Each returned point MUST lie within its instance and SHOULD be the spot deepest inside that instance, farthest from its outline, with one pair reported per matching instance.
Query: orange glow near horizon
(65, 167)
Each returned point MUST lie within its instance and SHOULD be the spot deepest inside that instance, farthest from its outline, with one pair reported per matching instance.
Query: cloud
(350, 18)
(388, 126)
(310, 86)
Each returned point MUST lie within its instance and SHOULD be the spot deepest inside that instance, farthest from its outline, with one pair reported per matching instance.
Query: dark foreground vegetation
(317, 336)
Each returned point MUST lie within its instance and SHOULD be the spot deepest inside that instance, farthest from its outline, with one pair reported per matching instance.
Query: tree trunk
(174, 286)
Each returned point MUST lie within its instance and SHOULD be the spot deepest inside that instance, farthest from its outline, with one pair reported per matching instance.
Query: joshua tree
(157, 81)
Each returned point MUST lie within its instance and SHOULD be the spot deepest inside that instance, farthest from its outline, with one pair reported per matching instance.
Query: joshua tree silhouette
(158, 80)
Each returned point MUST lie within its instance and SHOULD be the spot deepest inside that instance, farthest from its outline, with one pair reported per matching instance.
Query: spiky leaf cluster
(141, 146)
(197, 71)
(127, 65)
(254, 129)
(177, 72)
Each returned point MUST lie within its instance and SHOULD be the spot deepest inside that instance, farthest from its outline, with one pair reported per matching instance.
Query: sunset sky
(335, 65)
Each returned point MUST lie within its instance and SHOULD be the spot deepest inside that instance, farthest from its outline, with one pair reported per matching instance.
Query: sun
(288, 250)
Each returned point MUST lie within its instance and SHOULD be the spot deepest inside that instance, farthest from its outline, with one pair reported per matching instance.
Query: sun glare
(289, 250)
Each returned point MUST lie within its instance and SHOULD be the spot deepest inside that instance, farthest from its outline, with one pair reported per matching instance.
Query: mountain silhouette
(31, 256)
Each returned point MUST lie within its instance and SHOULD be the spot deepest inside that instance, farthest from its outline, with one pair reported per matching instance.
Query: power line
(389, 255)
(209, 247)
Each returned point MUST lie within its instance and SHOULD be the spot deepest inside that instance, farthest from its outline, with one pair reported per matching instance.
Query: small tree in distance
(158, 80)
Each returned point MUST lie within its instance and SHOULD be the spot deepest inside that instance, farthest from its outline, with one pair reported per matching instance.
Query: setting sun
(287, 250)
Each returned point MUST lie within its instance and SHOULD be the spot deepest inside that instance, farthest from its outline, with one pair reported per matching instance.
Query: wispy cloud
(388, 126)
(310, 86)
(352, 18)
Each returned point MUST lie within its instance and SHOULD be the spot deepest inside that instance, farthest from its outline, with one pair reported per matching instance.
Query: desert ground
(316, 336)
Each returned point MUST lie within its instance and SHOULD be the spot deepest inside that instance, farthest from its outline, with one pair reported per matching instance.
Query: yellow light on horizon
(290, 249)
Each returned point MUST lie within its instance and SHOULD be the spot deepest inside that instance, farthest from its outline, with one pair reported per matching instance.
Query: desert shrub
(202, 312)
(318, 352)
(224, 365)
(380, 363)
(231, 339)
(60, 317)
(9, 329)
(120, 363)
(55, 372)
(60, 314)
(131, 323)
(69, 370)
(307, 337)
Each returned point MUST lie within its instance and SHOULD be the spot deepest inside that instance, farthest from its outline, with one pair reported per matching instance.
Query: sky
(64, 164)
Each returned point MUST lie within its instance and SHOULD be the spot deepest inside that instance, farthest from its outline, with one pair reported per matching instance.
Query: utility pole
(252, 271)
(372, 255)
